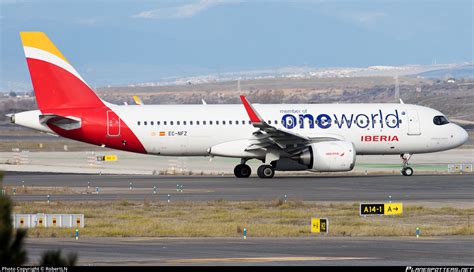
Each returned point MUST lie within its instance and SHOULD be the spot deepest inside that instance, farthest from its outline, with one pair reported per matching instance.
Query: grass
(37, 190)
(220, 218)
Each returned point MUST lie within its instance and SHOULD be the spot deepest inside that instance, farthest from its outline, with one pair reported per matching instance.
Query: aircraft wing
(64, 122)
(268, 135)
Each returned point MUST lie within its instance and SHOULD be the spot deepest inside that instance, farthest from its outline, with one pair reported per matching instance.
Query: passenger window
(276, 122)
(230, 122)
(177, 122)
(138, 122)
(223, 122)
(203, 122)
(210, 122)
(171, 122)
(217, 122)
(197, 123)
(152, 123)
(144, 123)
(269, 122)
(157, 123)
(236, 122)
(164, 123)
(184, 122)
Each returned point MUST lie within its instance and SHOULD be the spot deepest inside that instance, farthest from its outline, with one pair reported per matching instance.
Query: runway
(262, 251)
(443, 188)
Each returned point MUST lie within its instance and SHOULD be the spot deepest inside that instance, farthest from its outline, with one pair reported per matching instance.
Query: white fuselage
(173, 130)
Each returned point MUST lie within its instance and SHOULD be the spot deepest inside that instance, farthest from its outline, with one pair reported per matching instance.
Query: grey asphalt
(407, 251)
(443, 188)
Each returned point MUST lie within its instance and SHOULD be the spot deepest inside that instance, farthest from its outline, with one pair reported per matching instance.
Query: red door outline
(113, 124)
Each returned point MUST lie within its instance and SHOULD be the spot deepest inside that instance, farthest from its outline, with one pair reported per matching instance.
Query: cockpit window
(440, 120)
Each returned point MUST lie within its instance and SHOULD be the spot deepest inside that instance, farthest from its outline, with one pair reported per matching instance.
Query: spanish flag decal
(162, 133)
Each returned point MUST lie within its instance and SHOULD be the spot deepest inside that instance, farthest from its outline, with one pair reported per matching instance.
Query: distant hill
(465, 71)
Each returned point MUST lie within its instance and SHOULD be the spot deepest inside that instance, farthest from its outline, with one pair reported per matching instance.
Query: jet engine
(330, 156)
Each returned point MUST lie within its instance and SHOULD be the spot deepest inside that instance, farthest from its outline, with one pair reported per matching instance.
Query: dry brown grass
(153, 218)
(37, 190)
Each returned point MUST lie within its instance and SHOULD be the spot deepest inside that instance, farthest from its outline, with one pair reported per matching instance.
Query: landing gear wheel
(242, 171)
(407, 171)
(266, 171)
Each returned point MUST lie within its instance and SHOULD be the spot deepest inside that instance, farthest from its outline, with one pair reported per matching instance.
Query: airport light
(154, 189)
(131, 185)
(169, 198)
(245, 233)
(23, 184)
(97, 189)
(49, 197)
(77, 234)
(88, 185)
(14, 191)
(418, 232)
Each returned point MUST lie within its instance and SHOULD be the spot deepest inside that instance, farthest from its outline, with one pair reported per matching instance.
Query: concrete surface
(317, 250)
(435, 188)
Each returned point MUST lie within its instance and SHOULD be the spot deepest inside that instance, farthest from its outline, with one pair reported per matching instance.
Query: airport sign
(319, 225)
(107, 158)
(380, 208)
(393, 208)
(110, 158)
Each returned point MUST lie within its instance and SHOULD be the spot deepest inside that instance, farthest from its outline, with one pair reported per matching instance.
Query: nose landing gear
(406, 170)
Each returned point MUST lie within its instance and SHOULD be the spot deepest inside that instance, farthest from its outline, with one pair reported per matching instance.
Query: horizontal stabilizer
(63, 122)
(137, 100)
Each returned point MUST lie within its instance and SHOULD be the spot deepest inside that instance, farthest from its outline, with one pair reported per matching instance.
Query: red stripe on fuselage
(60, 92)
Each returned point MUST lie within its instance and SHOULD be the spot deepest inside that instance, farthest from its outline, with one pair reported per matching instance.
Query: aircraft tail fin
(56, 83)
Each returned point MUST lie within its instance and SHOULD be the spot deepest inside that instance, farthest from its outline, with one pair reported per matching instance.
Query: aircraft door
(113, 124)
(413, 122)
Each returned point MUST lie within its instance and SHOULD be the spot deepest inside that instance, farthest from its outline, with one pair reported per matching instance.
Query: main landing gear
(406, 170)
(242, 170)
(265, 171)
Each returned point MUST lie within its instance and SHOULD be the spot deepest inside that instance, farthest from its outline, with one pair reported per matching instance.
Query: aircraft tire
(407, 171)
(242, 171)
(266, 171)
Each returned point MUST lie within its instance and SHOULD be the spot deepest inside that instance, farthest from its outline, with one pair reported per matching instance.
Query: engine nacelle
(330, 156)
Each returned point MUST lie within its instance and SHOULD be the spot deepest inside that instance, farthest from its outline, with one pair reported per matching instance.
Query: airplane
(284, 137)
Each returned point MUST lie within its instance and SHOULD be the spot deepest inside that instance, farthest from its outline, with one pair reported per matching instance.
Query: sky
(122, 42)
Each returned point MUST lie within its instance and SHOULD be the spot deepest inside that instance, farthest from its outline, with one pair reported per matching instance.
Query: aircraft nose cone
(464, 136)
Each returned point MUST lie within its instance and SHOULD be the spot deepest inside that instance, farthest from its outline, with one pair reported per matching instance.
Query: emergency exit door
(113, 124)
(413, 122)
